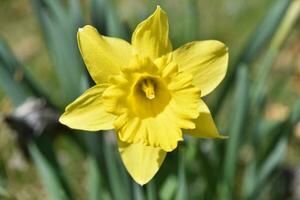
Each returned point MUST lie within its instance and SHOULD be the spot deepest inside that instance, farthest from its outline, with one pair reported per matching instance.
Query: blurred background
(257, 104)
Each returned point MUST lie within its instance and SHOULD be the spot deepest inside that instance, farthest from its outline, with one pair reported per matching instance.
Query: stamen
(148, 88)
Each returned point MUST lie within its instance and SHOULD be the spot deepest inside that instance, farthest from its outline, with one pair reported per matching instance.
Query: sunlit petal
(103, 56)
(87, 112)
(142, 162)
(206, 60)
(205, 125)
(151, 37)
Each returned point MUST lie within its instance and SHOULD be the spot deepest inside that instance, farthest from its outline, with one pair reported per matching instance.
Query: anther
(148, 88)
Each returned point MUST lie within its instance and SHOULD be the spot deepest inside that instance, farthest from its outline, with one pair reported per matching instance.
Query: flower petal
(151, 37)
(102, 55)
(206, 60)
(142, 162)
(87, 112)
(205, 126)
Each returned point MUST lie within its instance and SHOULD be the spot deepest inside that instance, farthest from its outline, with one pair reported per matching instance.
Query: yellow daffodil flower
(148, 93)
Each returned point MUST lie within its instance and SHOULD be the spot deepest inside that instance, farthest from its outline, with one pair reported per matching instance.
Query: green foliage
(199, 169)
(59, 26)
(48, 174)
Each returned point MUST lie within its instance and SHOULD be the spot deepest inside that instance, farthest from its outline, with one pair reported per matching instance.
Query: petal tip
(223, 136)
(61, 119)
(158, 8)
(141, 182)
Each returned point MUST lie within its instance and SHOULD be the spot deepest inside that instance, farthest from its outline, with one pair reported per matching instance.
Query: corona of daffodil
(147, 92)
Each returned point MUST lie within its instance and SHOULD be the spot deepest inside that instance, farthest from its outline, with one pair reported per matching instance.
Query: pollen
(148, 88)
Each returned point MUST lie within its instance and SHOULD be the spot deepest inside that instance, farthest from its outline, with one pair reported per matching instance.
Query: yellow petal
(103, 56)
(205, 126)
(87, 112)
(151, 37)
(142, 162)
(153, 132)
(206, 60)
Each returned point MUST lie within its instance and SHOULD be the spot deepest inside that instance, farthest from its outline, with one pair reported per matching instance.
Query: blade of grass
(94, 144)
(137, 192)
(3, 181)
(282, 33)
(272, 161)
(114, 25)
(235, 129)
(59, 29)
(105, 17)
(269, 154)
(168, 188)
(28, 81)
(11, 88)
(182, 190)
(117, 185)
(48, 174)
(256, 43)
(95, 187)
(98, 15)
(151, 190)
(191, 25)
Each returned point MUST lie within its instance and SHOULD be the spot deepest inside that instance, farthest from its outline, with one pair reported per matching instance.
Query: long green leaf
(11, 87)
(182, 190)
(118, 186)
(238, 119)
(59, 26)
(282, 33)
(98, 15)
(95, 187)
(3, 181)
(256, 43)
(168, 188)
(137, 192)
(48, 174)
(105, 17)
(151, 190)
(27, 85)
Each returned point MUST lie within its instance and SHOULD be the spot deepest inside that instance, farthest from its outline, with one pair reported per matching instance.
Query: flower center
(148, 87)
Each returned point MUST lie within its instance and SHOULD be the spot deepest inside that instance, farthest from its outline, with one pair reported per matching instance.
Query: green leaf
(168, 188)
(26, 86)
(235, 129)
(115, 27)
(105, 17)
(59, 26)
(48, 174)
(15, 91)
(281, 34)
(269, 152)
(275, 157)
(190, 21)
(3, 181)
(12, 88)
(98, 15)
(137, 192)
(117, 183)
(94, 176)
(256, 43)
(151, 190)
(265, 30)
(182, 190)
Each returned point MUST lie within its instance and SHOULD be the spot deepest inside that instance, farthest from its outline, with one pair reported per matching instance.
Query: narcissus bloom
(148, 93)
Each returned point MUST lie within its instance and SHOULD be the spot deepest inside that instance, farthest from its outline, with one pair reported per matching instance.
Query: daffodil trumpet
(147, 92)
